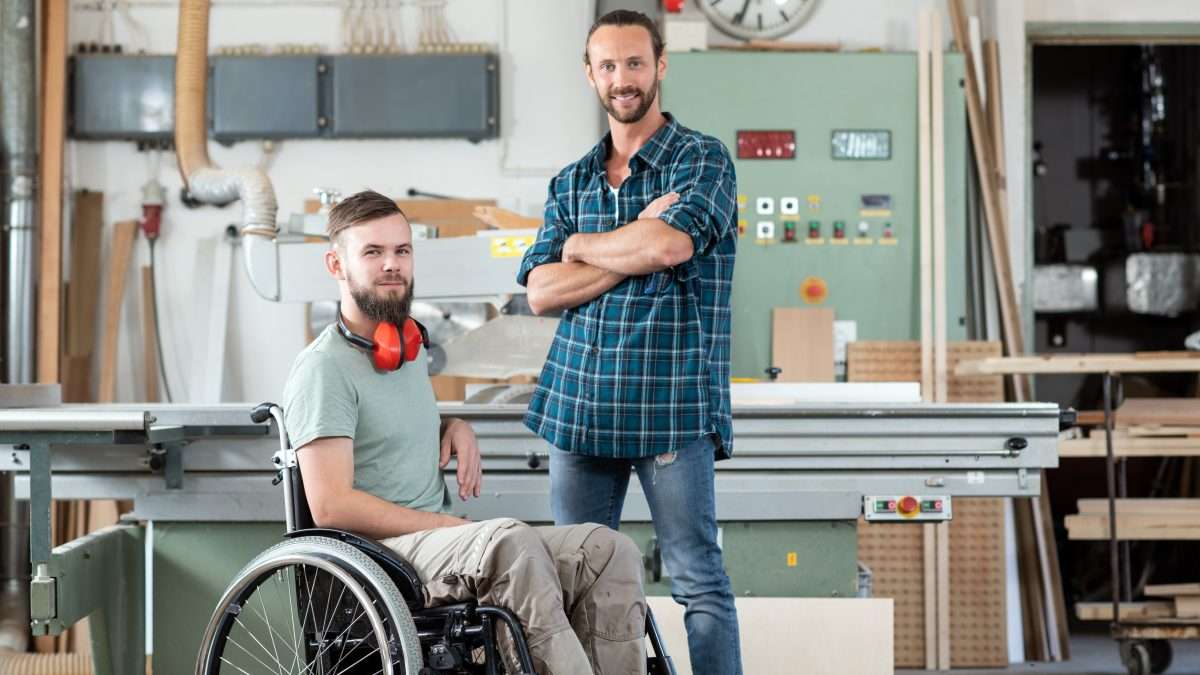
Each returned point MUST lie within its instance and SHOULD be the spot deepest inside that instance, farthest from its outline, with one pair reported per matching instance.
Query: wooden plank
(1159, 411)
(1171, 590)
(1130, 611)
(943, 589)
(87, 228)
(1094, 446)
(1144, 506)
(784, 636)
(925, 210)
(1078, 363)
(503, 219)
(938, 152)
(929, 592)
(50, 241)
(1135, 527)
(802, 344)
(149, 341)
(120, 255)
(452, 217)
(1187, 606)
(997, 228)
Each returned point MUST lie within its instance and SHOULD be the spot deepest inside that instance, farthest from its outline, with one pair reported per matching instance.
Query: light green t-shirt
(333, 390)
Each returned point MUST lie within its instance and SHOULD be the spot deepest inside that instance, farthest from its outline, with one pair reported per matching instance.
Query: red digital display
(766, 144)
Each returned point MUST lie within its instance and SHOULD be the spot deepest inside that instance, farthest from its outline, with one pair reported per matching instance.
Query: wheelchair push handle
(261, 412)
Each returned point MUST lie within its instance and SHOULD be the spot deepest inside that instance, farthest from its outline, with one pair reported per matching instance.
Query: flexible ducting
(45, 664)
(205, 181)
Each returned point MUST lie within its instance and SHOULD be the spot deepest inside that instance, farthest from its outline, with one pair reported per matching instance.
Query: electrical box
(118, 97)
(417, 95)
(825, 149)
(253, 97)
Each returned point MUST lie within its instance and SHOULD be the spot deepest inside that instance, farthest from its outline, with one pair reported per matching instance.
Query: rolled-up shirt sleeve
(703, 176)
(552, 235)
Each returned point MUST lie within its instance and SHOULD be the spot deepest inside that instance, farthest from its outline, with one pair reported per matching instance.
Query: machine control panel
(901, 508)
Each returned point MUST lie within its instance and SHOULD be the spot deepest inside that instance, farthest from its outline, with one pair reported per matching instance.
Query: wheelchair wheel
(311, 605)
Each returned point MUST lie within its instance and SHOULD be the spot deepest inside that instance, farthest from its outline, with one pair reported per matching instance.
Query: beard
(631, 116)
(392, 307)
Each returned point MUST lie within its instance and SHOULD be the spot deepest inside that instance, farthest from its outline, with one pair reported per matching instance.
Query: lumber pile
(1137, 519)
(1143, 427)
(1179, 602)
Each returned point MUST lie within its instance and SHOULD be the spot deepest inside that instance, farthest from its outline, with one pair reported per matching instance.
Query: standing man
(637, 253)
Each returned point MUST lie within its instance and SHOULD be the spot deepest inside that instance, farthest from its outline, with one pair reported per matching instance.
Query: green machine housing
(825, 147)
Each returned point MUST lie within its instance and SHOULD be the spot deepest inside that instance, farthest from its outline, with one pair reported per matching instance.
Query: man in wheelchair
(361, 414)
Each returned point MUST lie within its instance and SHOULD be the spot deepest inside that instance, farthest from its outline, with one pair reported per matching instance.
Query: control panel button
(789, 206)
(765, 206)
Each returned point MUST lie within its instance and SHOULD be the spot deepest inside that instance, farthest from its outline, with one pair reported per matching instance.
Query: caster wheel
(1160, 656)
(1136, 657)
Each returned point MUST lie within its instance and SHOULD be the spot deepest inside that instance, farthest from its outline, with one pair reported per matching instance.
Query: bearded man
(636, 253)
(360, 410)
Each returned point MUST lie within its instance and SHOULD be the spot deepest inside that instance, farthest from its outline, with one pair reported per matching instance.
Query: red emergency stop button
(908, 506)
(814, 290)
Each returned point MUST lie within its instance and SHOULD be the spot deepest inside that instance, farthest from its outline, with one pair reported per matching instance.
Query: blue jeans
(682, 502)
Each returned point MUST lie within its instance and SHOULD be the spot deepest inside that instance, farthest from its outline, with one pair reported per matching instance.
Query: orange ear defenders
(391, 347)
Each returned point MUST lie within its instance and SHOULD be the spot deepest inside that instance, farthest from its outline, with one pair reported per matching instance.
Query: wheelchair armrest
(407, 581)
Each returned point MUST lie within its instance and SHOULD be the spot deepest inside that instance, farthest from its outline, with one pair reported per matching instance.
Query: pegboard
(895, 552)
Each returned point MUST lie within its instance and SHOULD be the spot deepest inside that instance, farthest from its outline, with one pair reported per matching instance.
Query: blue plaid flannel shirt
(642, 369)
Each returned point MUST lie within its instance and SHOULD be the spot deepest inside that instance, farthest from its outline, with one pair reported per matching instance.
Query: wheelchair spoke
(290, 601)
(337, 639)
(230, 663)
(360, 660)
(247, 651)
(270, 630)
(274, 633)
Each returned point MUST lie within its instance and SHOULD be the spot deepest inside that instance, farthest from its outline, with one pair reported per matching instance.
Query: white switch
(765, 206)
(864, 228)
(789, 206)
(766, 229)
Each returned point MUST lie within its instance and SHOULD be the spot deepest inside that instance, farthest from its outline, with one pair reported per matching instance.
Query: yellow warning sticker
(511, 247)
(791, 559)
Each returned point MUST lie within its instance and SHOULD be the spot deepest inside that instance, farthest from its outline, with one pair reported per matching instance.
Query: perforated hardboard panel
(895, 552)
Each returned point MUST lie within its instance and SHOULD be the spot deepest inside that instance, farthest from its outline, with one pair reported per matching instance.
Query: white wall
(549, 118)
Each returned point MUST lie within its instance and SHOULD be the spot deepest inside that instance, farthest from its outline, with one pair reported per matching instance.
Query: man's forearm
(377, 518)
(556, 286)
(641, 247)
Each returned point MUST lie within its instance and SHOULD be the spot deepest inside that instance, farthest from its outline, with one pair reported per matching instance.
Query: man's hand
(458, 439)
(656, 208)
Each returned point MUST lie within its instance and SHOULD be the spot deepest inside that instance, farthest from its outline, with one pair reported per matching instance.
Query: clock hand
(740, 16)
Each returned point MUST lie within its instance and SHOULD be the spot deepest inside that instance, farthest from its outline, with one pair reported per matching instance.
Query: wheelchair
(330, 602)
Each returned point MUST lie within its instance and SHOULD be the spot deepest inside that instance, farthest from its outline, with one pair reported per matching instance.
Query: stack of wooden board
(1137, 519)
(1143, 427)
(1181, 603)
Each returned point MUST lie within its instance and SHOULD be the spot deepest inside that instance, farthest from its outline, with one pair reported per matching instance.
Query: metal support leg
(1110, 465)
(39, 503)
(1126, 558)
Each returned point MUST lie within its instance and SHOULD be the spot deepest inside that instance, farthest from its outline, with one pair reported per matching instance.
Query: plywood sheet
(784, 636)
(1161, 411)
(802, 344)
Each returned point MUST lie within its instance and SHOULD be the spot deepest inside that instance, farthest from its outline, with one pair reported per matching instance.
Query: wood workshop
(553, 337)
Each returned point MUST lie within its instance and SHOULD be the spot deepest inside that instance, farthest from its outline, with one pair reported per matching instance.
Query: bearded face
(628, 104)
(387, 298)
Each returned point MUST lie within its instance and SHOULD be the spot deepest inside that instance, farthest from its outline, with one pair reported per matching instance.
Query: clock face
(757, 19)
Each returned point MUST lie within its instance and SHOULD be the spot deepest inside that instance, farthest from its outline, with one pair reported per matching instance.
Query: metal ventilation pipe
(205, 181)
(18, 131)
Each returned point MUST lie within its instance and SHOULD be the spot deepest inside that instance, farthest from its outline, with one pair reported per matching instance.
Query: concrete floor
(1095, 654)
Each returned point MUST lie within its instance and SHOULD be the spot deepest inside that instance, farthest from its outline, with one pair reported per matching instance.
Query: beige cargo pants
(577, 590)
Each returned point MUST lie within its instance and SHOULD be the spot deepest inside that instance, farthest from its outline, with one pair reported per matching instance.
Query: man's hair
(357, 209)
(628, 17)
